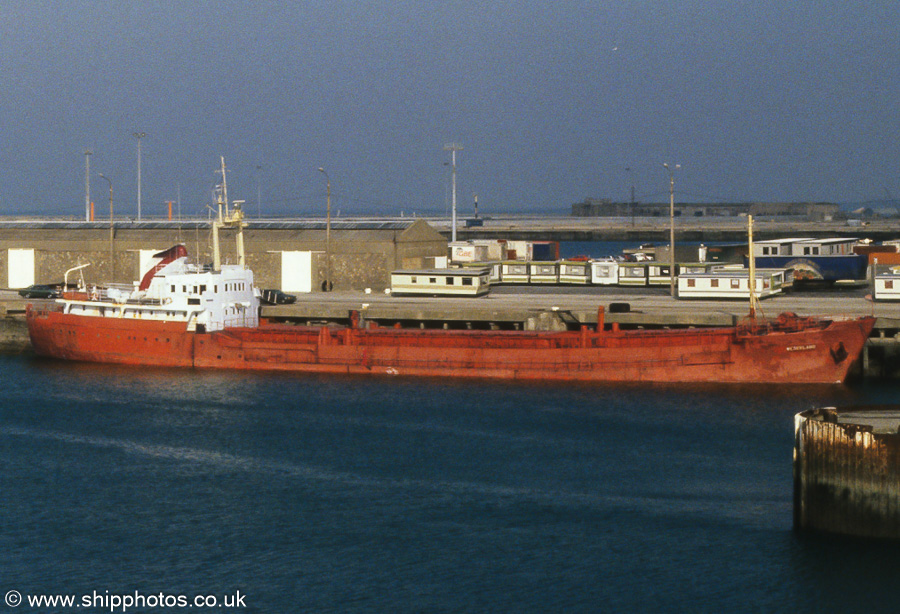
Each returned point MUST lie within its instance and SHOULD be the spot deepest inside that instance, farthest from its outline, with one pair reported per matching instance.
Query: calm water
(330, 494)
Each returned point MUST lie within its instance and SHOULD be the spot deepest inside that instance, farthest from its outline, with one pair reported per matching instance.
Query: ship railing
(116, 293)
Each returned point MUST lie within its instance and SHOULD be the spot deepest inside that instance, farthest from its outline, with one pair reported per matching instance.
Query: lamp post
(327, 284)
(112, 261)
(631, 200)
(87, 185)
(258, 191)
(453, 148)
(139, 136)
(671, 225)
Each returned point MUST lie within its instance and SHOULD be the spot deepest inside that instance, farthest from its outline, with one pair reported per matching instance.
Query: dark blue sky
(552, 101)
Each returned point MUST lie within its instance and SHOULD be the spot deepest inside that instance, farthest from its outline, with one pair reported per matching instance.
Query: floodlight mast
(671, 225)
(139, 136)
(453, 148)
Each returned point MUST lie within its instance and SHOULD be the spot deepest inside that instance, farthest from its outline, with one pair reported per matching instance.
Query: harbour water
(332, 494)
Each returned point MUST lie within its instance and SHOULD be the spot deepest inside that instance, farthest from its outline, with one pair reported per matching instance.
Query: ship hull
(815, 352)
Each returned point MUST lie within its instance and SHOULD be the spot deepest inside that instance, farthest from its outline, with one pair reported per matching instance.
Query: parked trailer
(493, 266)
(659, 274)
(651, 273)
(730, 283)
(477, 250)
(441, 282)
(697, 267)
(633, 274)
(813, 260)
(466, 251)
(887, 284)
(805, 246)
(575, 272)
(604, 272)
(544, 272)
(514, 272)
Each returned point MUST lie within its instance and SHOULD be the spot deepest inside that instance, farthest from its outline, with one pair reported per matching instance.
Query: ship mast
(227, 219)
(754, 300)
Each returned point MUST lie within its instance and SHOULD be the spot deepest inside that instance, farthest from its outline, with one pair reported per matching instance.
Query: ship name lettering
(800, 348)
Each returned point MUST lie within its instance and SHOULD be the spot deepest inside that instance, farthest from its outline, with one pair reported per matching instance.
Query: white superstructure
(206, 299)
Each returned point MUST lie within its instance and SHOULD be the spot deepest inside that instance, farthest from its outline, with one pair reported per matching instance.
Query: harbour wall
(362, 254)
(847, 472)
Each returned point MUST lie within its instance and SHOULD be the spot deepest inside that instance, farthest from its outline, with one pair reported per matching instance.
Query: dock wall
(362, 254)
(847, 472)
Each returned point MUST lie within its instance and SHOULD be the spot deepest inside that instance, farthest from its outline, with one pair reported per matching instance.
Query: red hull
(797, 351)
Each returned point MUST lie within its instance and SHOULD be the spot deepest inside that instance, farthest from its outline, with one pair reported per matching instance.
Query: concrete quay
(509, 305)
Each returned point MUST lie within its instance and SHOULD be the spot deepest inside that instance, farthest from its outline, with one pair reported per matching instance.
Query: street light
(258, 191)
(87, 185)
(671, 225)
(631, 200)
(139, 136)
(453, 148)
(112, 261)
(327, 285)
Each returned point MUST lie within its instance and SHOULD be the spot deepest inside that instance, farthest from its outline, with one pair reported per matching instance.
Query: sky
(552, 102)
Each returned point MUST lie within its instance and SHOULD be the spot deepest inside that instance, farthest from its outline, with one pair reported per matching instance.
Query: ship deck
(509, 305)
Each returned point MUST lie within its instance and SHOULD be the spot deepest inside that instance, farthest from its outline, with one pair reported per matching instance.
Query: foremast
(754, 300)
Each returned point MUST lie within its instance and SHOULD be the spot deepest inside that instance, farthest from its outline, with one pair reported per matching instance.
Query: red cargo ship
(789, 350)
(182, 315)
